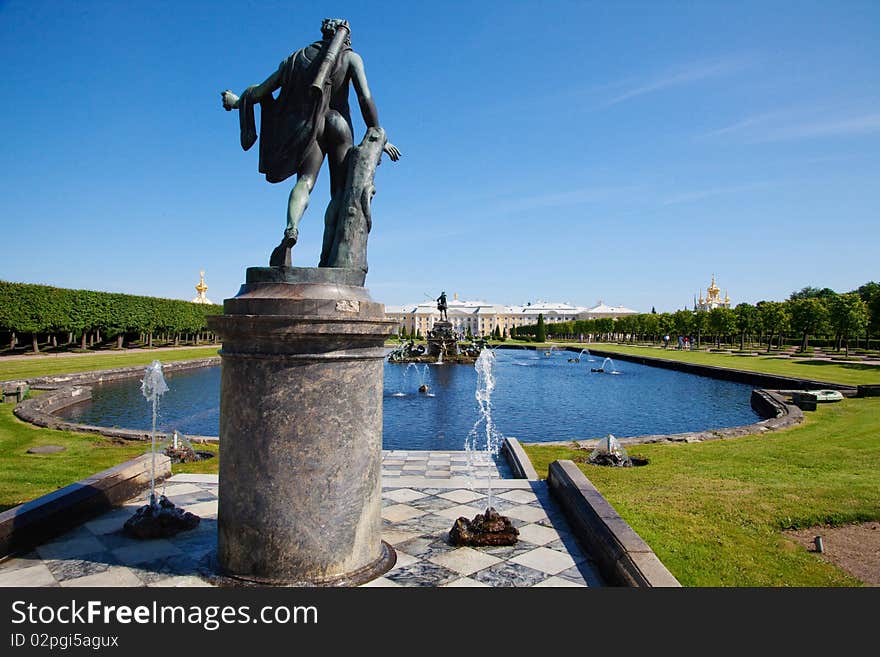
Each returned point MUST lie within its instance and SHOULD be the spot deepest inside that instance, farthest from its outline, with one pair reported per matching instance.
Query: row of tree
(85, 316)
(808, 313)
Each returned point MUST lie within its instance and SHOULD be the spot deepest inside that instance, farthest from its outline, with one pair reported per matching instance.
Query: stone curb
(771, 404)
(25, 526)
(869, 390)
(621, 555)
(519, 461)
(68, 389)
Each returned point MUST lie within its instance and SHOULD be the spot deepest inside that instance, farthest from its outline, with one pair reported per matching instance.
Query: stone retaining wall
(621, 555)
(870, 390)
(519, 461)
(25, 526)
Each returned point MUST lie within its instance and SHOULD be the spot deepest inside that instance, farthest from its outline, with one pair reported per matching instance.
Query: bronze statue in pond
(442, 306)
(309, 120)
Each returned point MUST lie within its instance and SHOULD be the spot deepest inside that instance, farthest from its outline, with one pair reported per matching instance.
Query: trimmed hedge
(41, 309)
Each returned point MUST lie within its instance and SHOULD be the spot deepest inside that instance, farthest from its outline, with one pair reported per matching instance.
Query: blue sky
(565, 151)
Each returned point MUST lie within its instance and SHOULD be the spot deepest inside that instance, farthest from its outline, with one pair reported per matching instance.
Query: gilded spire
(713, 297)
(713, 289)
(201, 288)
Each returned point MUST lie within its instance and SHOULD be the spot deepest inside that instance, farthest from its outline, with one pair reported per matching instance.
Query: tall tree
(746, 321)
(540, 330)
(773, 316)
(722, 323)
(650, 325)
(849, 316)
(809, 316)
(812, 293)
(699, 324)
(870, 294)
(683, 322)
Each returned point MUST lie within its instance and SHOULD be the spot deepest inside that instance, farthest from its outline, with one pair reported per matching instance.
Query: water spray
(153, 387)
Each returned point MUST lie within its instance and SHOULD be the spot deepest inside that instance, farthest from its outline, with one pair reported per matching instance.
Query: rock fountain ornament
(159, 518)
(609, 451)
(179, 449)
(488, 528)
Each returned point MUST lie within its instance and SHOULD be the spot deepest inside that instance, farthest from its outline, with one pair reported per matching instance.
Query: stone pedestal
(441, 339)
(301, 429)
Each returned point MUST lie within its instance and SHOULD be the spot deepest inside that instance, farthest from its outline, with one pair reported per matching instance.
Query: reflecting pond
(537, 398)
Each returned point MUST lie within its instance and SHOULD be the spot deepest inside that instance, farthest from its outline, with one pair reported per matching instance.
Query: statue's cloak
(290, 123)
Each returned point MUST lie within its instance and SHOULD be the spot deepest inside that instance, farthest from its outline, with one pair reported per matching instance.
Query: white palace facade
(481, 317)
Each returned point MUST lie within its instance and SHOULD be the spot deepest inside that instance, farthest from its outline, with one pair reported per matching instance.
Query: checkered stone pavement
(98, 554)
(443, 465)
(418, 509)
(417, 519)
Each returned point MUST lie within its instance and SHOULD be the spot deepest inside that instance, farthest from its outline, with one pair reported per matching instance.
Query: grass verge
(33, 367)
(713, 512)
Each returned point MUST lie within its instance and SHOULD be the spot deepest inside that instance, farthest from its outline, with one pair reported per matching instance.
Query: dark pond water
(536, 398)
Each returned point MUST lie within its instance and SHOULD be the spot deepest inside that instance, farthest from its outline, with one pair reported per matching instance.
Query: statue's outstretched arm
(362, 89)
(365, 100)
(258, 91)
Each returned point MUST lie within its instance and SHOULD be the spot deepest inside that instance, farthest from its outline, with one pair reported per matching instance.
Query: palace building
(481, 318)
(713, 298)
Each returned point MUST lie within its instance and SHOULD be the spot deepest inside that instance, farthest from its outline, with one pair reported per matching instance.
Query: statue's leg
(297, 204)
(338, 141)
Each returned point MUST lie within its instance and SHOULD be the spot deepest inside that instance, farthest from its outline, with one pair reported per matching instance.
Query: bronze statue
(310, 119)
(441, 306)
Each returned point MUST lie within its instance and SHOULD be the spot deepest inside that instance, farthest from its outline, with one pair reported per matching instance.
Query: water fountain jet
(586, 352)
(159, 518)
(489, 528)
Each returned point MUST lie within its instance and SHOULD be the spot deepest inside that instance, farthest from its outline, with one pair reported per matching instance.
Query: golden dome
(201, 288)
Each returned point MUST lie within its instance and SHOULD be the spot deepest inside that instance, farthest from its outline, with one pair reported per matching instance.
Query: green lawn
(26, 476)
(713, 512)
(15, 368)
(850, 373)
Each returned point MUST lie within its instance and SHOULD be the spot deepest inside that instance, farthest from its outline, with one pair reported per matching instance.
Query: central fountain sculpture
(302, 358)
(442, 344)
(441, 338)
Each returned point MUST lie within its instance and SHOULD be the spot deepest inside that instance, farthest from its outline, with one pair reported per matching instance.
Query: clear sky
(565, 151)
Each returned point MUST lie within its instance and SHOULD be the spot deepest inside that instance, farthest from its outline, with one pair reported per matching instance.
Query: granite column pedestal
(301, 429)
